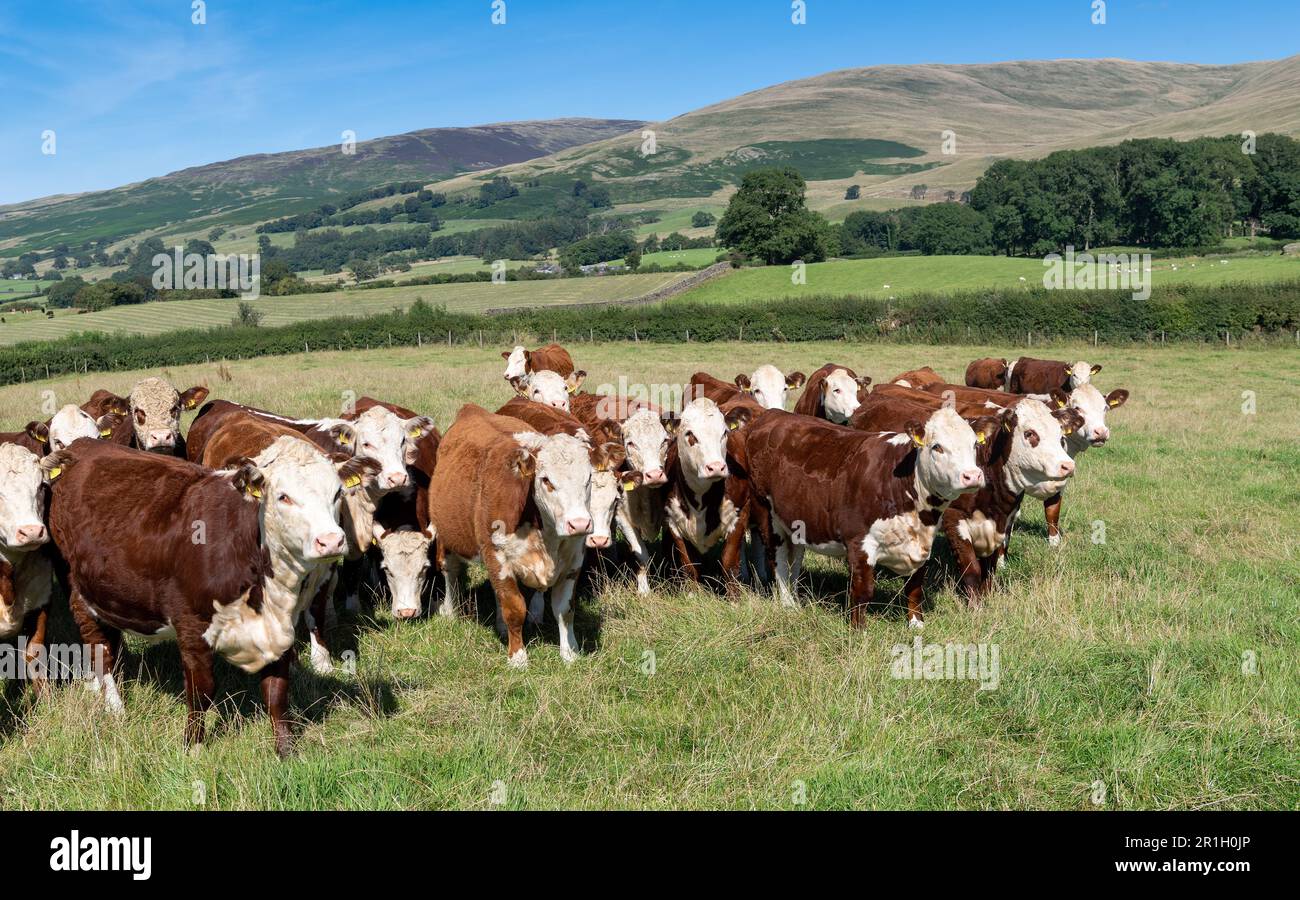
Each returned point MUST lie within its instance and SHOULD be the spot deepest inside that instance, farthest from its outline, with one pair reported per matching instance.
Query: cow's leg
(535, 606)
(969, 569)
(275, 694)
(784, 583)
(733, 551)
(104, 642)
(686, 563)
(564, 608)
(453, 568)
(350, 573)
(915, 591)
(628, 530)
(316, 624)
(512, 609)
(196, 661)
(1052, 511)
(862, 584)
(37, 661)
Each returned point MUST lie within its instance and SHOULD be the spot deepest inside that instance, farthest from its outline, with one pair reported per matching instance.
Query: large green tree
(768, 219)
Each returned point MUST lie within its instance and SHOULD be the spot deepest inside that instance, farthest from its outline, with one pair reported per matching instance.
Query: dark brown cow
(551, 358)
(217, 560)
(153, 410)
(875, 499)
(520, 501)
(705, 385)
(102, 403)
(832, 393)
(917, 378)
(988, 373)
(1041, 376)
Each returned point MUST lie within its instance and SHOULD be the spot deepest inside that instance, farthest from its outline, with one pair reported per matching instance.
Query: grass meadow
(1156, 670)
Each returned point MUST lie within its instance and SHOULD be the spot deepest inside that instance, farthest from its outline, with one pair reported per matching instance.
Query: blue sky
(132, 89)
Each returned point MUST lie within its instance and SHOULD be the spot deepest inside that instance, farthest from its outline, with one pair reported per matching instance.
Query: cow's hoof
(568, 655)
(518, 660)
(1053, 540)
(916, 622)
(321, 663)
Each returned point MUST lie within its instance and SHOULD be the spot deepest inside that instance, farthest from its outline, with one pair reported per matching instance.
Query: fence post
(1094, 337)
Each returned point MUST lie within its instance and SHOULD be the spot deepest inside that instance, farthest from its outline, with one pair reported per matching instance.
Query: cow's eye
(1031, 435)
(1062, 442)
(546, 483)
(631, 445)
(938, 448)
(285, 499)
(690, 438)
(367, 445)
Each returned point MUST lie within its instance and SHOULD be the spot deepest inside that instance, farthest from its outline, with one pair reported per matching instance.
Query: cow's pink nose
(31, 534)
(559, 404)
(1067, 468)
(715, 469)
(1100, 435)
(395, 479)
(598, 541)
(405, 613)
(578, 525)
(328, 544)
(972, 478)
(655, 476)
(161, 439)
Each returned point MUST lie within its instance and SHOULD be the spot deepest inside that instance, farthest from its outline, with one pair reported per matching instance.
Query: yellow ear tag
(352, 481)
(105, 432)
(344, 439)
(416, 433)
(1006, 427)
(1067, 431)
(1060, 405)
(42, 438)
(732, 426)
(979, 437)
(1113, 403)
(190, 404)
(920, 442)
(629, 485)
(253, 492)
(56, 472)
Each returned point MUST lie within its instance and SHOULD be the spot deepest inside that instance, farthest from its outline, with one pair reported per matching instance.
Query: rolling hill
(268, 185)
(881, 127)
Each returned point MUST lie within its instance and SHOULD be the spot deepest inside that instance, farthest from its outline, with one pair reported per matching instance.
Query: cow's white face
(1081, 373)
(840, 396)
(606, 489)
(155, 408)
(945, 461)
(390, 441)
(70, 423)
(1089, 403)
(769, 386)
(301, 494)
(702, 441)
(646, 441)
(546, 387)
(406, 565)
(22, 477)
(562, 482)
(516, 363)
(1038, 445)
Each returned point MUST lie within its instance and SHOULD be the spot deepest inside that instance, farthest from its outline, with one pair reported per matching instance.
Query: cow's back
(551, 358)
(715, 389)
(1038, 376)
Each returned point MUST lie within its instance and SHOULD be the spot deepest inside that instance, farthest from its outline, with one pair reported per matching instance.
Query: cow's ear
(115, 405)
(1116, 398)
(505, 354)
(107, 424)
(631, 481)
(916, 431)
(670, 421)
(248, 479)
(520, 384)
(418, 427)
(193, 397)
(738, 418)
(344, 435)
(358, 472)
(55, 464)
(607, 456)
(985, 427)
(1069, 418)
(38, 431)
(1060, 399)
(575, 380)
(795, 379)
(1095, 370)
(523, 464)
(742, 381)
(377, 532)
(863, 380)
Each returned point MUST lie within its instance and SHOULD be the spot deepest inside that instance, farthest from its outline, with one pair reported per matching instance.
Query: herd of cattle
(241, 535)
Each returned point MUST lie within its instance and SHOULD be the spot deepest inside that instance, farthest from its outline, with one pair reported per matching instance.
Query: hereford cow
(987, 373)
(875, 499)
(1040, 376)
(832, 393)
(25, 571)
(267, 527)
(65, 426)
(519, 501)
(917, 378)
(551, 358)
(154, 410)
(704, 507)
(640, 515)
(548, 387)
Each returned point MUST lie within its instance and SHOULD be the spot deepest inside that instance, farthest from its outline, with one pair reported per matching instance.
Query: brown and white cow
(549, 388)
(1041, 376)
(766, 386)
(25, 571)
(216, 560)
(917, 378)
(520, 501)
(552, 358)
(65, 426)
(832, 393)
(704, 506)
(153, 410)
(989, 372)
(874, 499)
(640, 513)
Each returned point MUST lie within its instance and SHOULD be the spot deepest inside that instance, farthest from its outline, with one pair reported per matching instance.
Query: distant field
(156, 318)
(901, 276)
(699, 257)
(1158, 662)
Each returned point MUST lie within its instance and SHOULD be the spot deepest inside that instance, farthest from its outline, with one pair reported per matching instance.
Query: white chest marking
(901, 544)
(690, 523)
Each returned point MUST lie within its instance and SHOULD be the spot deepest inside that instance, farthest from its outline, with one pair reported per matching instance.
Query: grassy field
(901, 276)
(156, 318)
(1121, 662)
